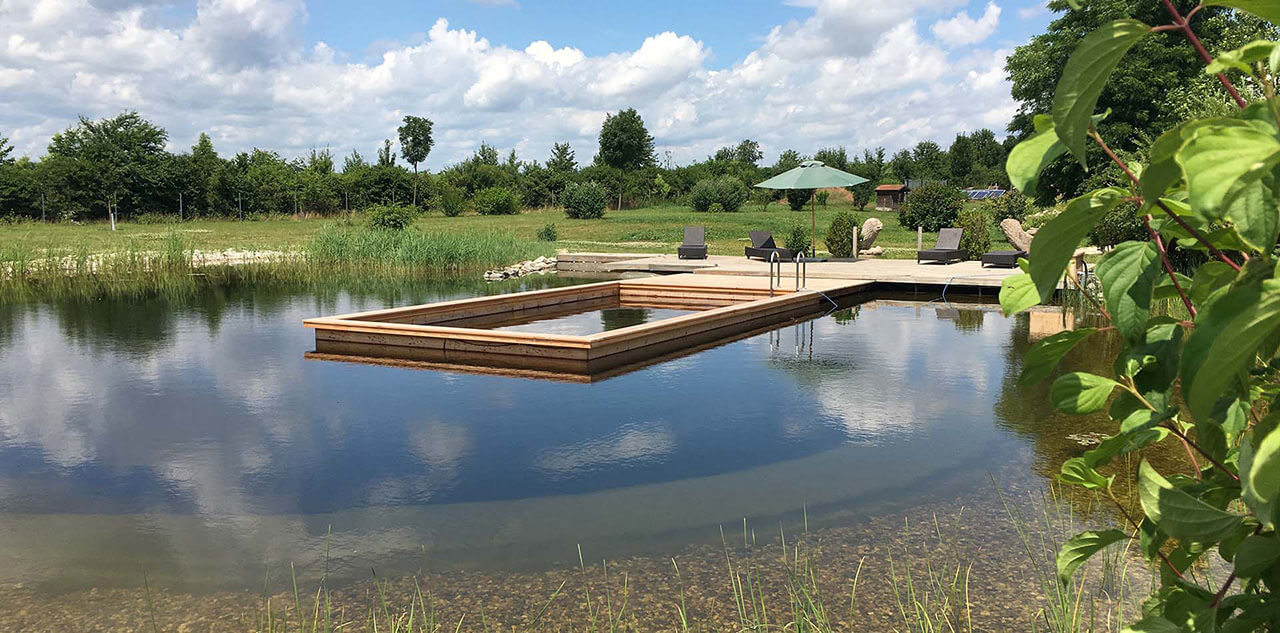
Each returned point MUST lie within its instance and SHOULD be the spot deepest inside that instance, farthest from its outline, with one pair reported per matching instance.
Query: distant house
(890, 197)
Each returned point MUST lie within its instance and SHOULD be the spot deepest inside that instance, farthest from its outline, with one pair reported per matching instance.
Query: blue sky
(290, 75)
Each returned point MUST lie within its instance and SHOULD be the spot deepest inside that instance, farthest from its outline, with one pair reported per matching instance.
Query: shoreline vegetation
(34, 255)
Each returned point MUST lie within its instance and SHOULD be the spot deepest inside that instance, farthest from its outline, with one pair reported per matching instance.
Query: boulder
(870, 231)
(1013, 232)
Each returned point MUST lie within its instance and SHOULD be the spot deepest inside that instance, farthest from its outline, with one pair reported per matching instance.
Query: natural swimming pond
(188, 437)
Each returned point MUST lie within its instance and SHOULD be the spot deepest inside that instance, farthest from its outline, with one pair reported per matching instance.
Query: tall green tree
(562, 158)
(835, 157)
(5, 149)
(960, 160)
(126, 155)
(624, 142)
(1155, 71)
(788, 159)
(748, 152)
(386, 156)
(415, 145)
(902, 166)
(929, 161)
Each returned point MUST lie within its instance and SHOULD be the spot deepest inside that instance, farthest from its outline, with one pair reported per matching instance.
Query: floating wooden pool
(503, 331)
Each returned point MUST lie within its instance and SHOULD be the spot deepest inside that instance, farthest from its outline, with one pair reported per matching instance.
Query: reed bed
(415, 249)
(172, 263)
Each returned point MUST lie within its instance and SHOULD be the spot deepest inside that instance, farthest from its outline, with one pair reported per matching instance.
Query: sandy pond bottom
(966, 538)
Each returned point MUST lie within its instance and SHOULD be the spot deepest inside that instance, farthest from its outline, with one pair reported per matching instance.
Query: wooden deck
(461, 332)
(894, 271)
(728, 298)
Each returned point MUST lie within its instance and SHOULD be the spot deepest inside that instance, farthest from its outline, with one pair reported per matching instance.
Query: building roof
(891, 187)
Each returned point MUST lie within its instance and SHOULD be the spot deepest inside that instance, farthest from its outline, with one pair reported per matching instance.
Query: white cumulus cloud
(858, 73)
(963, 30)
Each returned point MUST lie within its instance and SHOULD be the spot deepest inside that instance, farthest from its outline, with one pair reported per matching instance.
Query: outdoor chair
(946, 250)
(695, 243)
(1002, 259)
(763, 246)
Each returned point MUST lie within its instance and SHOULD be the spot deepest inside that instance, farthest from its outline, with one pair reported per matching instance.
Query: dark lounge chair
(762, 246)
(1002, 259)
(695, 243)
(946, 250)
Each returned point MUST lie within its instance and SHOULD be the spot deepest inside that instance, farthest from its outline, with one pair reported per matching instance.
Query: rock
(539, 266)
(874, 250)
(870, 231)
(1013, 232)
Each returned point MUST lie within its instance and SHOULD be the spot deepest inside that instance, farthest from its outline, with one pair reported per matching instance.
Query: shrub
(976, 239)
(497, 201)
(798, 239)
(391, 217)
(703, 195)
(731, 193)
(728, 192)
(797, 198)
(840, 236)
(451, 200)
(934, 206)
(547, 233)
(1011, 205)
(1120, 224)
(716, 207)
(585, 200)
(822, 197)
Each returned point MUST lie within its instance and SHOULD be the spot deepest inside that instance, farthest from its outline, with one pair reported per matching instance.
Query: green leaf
(1166, 290)
(1268, 10)
(1084, 77)
(1057, 240)
(1044, 356)
(1254, 555)
(1028, 158)
(1179, 514)
(1255, 501)
(1123, 443)
(1080, 547)
(1225, 343)
(1081, 392)
(1219, 157)
(1242, 58)
(1077, 473)
(1017, 293)
(1253, 213)
(1211, 280)
(1128, 274)
(1152, 624)
(1260, 481)
(1163, 170)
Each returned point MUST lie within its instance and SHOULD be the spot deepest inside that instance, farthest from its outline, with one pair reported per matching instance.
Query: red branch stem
(1168, 268)
(1183, 24)
(1134, 179)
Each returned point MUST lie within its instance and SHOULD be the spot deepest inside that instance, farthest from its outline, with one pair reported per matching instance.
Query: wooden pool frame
(457, 333)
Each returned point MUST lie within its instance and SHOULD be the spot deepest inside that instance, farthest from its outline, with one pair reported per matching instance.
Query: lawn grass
(644, 230)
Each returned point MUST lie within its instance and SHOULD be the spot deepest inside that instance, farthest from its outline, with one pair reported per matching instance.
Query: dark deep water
(187, 435)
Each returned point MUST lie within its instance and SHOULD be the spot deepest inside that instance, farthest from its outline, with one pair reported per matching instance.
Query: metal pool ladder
(802, 271)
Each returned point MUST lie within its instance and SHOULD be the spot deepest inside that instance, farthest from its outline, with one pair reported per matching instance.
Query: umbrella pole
(813, 217)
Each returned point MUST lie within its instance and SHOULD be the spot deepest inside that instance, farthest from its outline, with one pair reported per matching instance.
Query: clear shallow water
(189, 437)
(595, 321)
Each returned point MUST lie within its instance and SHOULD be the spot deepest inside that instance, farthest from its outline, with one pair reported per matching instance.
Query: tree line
(118, 167)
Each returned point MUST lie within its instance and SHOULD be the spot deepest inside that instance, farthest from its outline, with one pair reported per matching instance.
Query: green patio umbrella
(812, 174)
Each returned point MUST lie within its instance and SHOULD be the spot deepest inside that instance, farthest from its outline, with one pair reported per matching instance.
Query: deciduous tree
(624, 142)
(415, 145)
